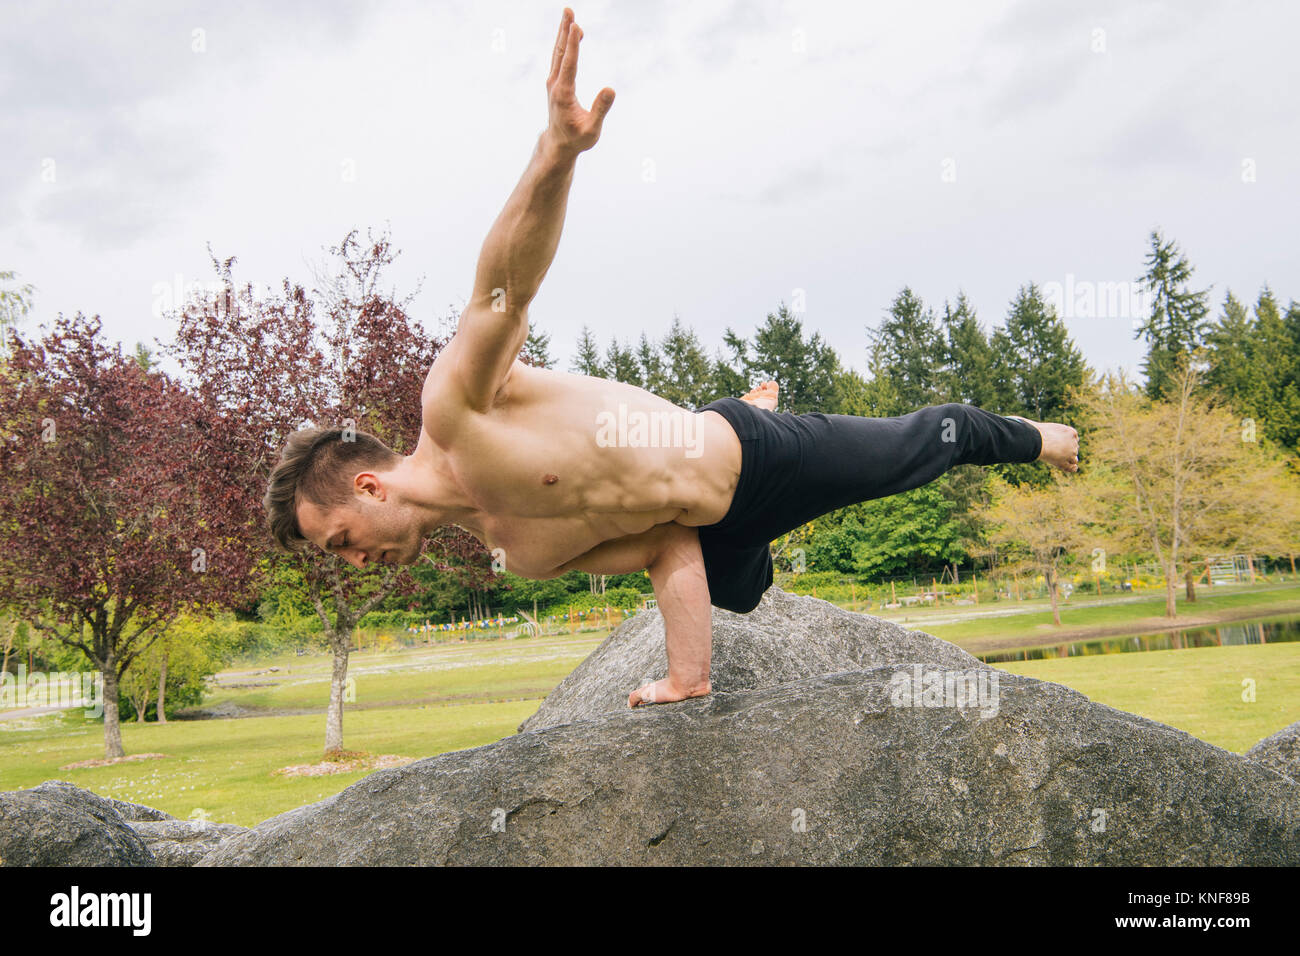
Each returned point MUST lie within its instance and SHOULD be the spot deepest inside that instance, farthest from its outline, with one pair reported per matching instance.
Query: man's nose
(359, 559)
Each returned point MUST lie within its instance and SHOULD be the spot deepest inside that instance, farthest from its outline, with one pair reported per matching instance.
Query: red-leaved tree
(345, 354)
(121, 501)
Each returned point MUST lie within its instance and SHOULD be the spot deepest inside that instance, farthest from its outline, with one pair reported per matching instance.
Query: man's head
(333, 489)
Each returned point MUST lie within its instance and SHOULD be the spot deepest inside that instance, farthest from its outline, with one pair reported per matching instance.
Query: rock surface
(182, 842)
(825, 770)
(806, 753)
(830, 738)
(1281, 751)
(785, 638)
(59, 824)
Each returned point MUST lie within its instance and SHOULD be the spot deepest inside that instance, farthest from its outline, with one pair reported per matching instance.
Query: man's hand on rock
(666, 691)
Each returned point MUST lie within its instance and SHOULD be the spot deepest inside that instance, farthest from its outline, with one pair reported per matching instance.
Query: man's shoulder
(445, 403)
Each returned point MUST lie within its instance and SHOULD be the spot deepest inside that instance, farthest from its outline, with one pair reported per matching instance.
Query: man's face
(371, 528)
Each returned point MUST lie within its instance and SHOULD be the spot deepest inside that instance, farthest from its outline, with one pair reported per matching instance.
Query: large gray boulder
(60, 824)
(182, 842)
(831, 738)
(877, 761)
(71, 793)
(1281, 751)
(785, 638)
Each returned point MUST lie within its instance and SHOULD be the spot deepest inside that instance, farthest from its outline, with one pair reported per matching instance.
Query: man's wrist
(556, 151)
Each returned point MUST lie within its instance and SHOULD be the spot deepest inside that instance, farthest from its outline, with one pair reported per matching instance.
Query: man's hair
(318, 465)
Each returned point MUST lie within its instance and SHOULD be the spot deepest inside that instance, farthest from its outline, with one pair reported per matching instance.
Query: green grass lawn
(226, 767)
(1198, 690)
(476, 671)
(416, 703)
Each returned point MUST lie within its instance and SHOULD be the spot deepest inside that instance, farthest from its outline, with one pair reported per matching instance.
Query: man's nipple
(550, 479)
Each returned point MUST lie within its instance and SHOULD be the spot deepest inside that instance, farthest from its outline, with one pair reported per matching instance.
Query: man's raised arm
(522, 242)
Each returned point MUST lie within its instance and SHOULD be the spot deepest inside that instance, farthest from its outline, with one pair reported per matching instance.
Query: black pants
(795, 468)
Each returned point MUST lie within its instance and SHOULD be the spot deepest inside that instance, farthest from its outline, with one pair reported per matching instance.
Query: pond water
(1273, 631)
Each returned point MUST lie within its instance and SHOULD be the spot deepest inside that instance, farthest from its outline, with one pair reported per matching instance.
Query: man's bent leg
(737, 574)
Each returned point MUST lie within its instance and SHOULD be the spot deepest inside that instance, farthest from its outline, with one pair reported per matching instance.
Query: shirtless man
(558, 472)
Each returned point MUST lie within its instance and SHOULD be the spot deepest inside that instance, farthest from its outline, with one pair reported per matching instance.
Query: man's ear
(367, 483)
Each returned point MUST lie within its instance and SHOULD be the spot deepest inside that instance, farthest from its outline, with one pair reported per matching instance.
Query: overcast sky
(820, 154)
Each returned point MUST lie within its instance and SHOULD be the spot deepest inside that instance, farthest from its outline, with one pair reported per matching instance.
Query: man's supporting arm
(682, 593)
(670, 552)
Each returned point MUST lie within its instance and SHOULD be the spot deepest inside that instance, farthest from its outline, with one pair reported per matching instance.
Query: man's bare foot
(764, 396)
(666, 692)
(1060, 444)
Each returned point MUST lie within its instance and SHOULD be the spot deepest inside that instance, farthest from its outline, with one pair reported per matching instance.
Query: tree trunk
(1171, 590)
(1191, 584)
(1051, 592)
(9, 645)
(112, 728)
(340, 640)
(162, 690)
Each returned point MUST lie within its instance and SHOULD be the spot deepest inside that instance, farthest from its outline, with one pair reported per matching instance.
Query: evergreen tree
(537, 348)
(969, 366)
(868, 397)
(1251, 362)
(1042, 360)
(1229, 368)
(1274, 358)
(1290, 436)
(587, 360)
(621, 364)
(908, 351)
(1177, 321)
(651, 365)
(688, 376)
(731, 373)
(1006, 391)
(807, 369)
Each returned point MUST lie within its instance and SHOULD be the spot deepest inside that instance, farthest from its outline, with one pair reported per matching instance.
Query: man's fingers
(601, 104)
(569, 66)
(561, 41)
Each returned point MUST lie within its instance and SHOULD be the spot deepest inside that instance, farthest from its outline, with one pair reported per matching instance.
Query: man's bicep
(483, 350)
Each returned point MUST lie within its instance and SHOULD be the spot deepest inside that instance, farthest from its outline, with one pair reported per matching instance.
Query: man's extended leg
(798, 467)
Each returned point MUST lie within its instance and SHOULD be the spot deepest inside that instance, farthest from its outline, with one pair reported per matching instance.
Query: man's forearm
(682, 594)
(521, 245)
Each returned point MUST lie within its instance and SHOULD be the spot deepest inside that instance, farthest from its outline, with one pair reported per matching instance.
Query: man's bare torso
(561, 463)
